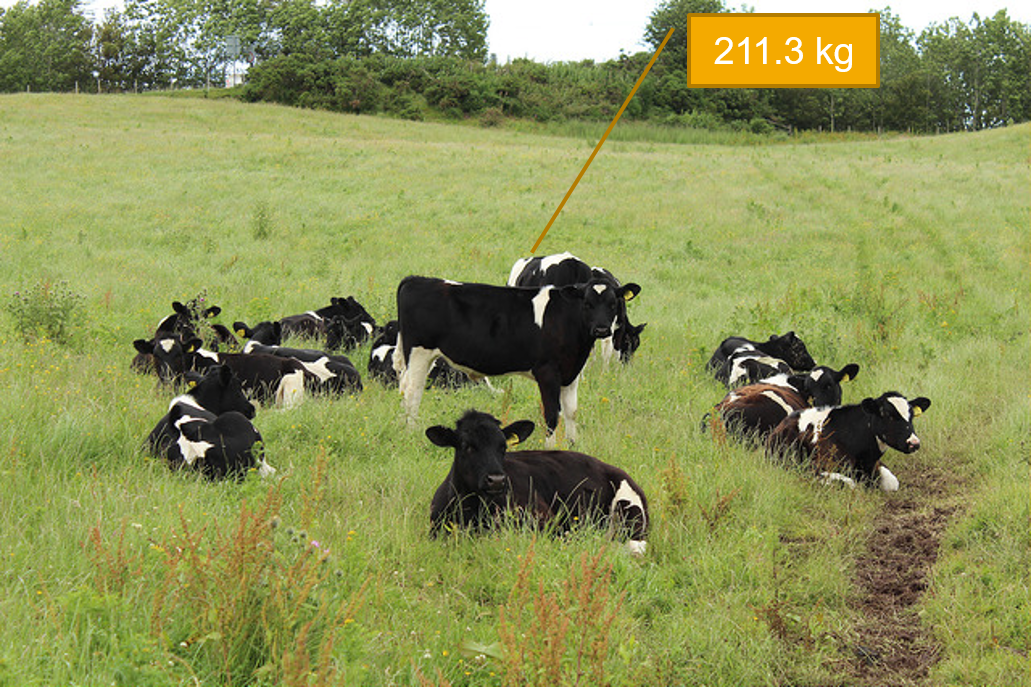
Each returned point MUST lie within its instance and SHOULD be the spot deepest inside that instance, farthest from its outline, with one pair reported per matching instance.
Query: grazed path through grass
(893, 647)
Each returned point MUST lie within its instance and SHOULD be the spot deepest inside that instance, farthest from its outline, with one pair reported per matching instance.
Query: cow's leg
(608, 349)
(551, 391)
(567, 404)
(412, 380)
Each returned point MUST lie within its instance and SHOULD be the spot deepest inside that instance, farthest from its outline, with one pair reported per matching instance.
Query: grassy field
(908, 256)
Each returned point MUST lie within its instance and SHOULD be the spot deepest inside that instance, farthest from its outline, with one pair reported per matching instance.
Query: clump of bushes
(47, 309)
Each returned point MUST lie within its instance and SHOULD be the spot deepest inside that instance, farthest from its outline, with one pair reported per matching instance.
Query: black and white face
(480, 444)
(893, 420)
(822, 386)
(602, 306)
(220, 392)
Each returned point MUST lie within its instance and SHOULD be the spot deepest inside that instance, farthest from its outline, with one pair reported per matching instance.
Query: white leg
(607, 350)
(412, 380)
(567, 408)
(290, 391)
(831, 477)
(888, 481)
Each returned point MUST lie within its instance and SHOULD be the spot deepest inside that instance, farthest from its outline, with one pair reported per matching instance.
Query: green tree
(672, 14)
(45, 47)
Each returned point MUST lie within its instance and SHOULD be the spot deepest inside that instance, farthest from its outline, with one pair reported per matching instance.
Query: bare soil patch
(892, 647)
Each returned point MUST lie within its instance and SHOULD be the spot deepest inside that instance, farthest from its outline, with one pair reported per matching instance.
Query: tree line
(418, 58)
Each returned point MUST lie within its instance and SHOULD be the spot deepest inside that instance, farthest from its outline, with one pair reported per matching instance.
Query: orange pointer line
(602, 141)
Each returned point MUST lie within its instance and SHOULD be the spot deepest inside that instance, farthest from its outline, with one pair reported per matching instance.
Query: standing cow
(543, 333)
(564, 269)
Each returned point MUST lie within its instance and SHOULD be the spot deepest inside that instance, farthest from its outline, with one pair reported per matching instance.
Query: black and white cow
(327, 373)
(208, 429)
(268, 378)
(185, 322)
(344, 323)
(555, 488)
(565, 269)
(754, 410)
(785, 348)
(845, 443)
(381, 363)
(543, 333)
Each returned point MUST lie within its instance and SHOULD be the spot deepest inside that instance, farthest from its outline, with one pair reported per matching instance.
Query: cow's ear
(193, 345)
(241, 328)
(870, 406)
(572, 293)
(640, 328)
(213, 311)
(919, 405)
(630, 291)
(518, 432)
(144, 345)
(442, 436)
(849, 372)
(180, 308)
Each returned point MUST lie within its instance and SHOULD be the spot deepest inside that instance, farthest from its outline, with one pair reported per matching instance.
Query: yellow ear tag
(192, 383)
(628, 295)
(917, 411)
(846, 378)
(240, 332)
(513, 441)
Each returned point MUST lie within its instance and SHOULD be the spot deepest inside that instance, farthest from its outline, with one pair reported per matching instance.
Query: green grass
(908, 256)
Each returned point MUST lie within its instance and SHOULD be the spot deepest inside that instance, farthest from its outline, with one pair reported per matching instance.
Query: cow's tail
(290, 392)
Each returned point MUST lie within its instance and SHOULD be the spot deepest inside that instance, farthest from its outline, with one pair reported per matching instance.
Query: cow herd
(543, 325)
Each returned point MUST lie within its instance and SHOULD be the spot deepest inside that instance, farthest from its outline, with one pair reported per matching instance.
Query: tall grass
(908, 256)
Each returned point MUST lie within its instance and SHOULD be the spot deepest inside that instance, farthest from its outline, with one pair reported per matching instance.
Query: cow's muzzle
(495, 484)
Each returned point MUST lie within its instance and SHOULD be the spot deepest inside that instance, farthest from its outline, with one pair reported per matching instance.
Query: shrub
(47, 309)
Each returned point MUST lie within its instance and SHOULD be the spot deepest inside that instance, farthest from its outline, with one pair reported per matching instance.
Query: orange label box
(783, 50)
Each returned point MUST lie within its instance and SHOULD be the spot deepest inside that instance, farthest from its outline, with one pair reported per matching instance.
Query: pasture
(908, 256)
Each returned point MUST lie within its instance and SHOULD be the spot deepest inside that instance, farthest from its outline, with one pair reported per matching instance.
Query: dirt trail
(892, 647)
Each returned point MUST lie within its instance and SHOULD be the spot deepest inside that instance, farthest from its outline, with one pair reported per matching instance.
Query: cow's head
(891, 418)
(267, 333)
(627, 340)
(172, 355)
(219, 391)
(601, 304)
(822, 385)
(791, 350)
(480, 443)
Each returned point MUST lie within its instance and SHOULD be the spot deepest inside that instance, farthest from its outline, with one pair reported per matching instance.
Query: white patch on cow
(567, 403)
(319, 369)
(210, 355)
(815, 375)
(887, 481)
(832, 477)
(540, 304)
(312, 313)
(738, 371)
(166, 345)
(599, 288)
(186, 400)
(452, 282)
(517, 269)
(290, 391)
(775, 397)
(815, 418)
(264, 469)
(190, 450)
(368, 327)
(250, 346)
(901, 406)
(552, 260)
(629, 495)
(380, 352)
(777, 380)
(637, 548)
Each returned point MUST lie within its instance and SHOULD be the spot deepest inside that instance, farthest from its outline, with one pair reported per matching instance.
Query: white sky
(569, 30)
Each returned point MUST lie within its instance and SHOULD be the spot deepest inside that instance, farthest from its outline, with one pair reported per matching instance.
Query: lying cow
(328, 373)
(754, 410)
(557, 488)
(381, 363)
(564, 269)
(786, 348)
(344, 323)
(544, 333)
(268, 378)
(845, 443)
(208, 429)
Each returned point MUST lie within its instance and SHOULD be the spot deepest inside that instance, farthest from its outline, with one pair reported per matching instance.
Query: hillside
(907, 256)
